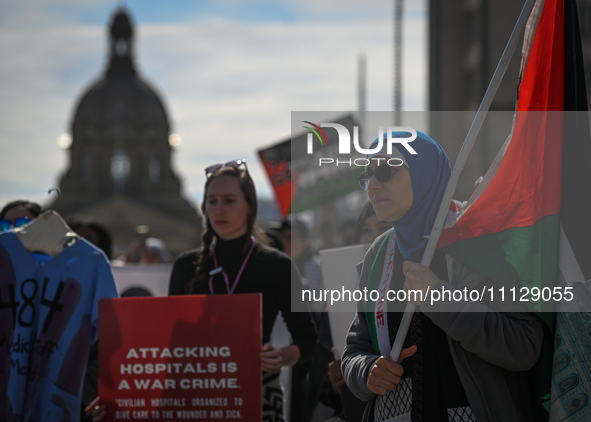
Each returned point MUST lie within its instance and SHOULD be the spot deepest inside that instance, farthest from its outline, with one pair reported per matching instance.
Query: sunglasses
(382, 173)
(5, 225)
(234, 164)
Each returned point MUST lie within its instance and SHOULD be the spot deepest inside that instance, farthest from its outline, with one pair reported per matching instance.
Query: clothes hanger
(48, 234)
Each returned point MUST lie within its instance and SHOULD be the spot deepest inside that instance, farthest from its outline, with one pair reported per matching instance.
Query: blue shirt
(48, 320)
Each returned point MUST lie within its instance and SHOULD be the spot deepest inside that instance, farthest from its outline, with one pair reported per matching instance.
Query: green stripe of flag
(516, 257)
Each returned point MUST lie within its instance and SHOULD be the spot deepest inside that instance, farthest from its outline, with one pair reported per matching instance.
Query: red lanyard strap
(220, 269)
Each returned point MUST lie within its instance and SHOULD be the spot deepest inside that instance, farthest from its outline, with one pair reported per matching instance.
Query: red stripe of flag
(526, 186)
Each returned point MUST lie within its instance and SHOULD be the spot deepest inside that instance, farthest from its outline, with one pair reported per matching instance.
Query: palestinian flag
(531, 213)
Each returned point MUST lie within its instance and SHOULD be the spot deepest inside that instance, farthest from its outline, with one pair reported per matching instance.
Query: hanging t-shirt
(48, 320)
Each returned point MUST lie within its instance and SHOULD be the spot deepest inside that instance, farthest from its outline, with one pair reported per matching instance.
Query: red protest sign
(181, 357)
(294, 168)
(276, 160)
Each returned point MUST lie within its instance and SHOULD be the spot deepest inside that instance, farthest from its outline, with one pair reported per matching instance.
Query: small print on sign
(174, 358)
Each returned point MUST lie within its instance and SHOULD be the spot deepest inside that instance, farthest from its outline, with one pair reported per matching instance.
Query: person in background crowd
(154, 252)
(95, 232)
(148, 250)
(296, 244)
(466, 365)
(347, 232)
(233, 242)
(294, 233)
(368, 226)
(285, 233)
(275, 240)
(18, 213)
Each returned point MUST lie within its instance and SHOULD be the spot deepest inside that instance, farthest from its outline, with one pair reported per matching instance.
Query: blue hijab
(430, 171)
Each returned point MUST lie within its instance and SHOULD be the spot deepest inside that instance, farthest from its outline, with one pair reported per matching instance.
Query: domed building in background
(120, 157)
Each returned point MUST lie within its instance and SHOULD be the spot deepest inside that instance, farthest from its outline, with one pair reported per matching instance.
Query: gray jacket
(490, 348)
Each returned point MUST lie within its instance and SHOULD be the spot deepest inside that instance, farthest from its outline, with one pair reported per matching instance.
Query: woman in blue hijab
(429, 173)
(462, 361)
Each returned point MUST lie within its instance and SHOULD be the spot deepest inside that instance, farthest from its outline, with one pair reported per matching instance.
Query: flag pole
(460, 162)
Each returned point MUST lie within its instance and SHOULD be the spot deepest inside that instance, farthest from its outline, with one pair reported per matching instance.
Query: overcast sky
(228, 71)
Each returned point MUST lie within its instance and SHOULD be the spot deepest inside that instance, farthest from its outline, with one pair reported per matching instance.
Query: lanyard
(220, 269)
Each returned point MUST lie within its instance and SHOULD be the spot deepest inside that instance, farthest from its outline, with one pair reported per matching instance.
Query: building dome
(120, 107)
(120, 130)
(120, 99)
(120, 157)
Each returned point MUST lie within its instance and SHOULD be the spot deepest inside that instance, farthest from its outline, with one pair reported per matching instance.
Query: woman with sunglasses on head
(18, 213)
(466, 365)
(235, 259)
